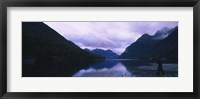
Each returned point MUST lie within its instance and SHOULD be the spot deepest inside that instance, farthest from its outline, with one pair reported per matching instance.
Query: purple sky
(115, 36)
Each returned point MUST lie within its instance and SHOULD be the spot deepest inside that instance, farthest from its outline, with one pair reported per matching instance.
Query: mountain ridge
(108, 54)
(149, 46)
(46, 53)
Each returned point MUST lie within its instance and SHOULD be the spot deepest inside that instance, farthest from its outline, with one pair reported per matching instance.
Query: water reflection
(116, 70)
(128, 68)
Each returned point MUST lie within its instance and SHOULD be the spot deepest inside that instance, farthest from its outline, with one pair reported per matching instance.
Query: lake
(101, 68)
(128, 68)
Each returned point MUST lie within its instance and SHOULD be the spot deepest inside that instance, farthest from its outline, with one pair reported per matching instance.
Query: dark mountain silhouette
(139, 48)
(43, 46)
(108, 54)
(150, 46)
(87, 50)
(167, 48)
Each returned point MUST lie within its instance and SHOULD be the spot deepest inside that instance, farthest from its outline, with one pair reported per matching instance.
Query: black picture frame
(98, 3)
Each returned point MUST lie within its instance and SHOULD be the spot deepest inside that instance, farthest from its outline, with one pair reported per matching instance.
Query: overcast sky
(115, 36)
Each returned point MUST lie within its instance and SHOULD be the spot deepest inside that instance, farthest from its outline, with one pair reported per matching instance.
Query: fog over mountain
(116, 36)
(148, 46)
(99, 49)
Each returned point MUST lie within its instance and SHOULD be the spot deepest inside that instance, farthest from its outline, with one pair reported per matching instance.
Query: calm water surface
(128, 68)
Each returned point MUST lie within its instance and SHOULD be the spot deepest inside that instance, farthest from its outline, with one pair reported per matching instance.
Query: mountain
(163, 33)
(168, 47)
(139, 48)
(41, 41)
(157, 45)
(87, 50)
(108, 54)
(42, 46)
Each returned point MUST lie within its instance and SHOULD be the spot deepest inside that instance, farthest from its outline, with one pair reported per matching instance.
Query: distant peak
(165, 29)
(109, 50)
(163, 33)
(86, 49)
(109, 54)
(146, 35)
(176, 27)
(97, 49)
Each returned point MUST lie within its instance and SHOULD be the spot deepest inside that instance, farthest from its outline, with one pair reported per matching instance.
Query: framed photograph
(89, 49)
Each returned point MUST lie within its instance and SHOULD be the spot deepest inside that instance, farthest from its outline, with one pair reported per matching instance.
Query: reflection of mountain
(151, 46)
(105, 64)
(42, 46)
(108, 54)
(107, 69)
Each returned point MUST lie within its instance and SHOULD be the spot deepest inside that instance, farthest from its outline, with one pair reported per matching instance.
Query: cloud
(115, 36)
